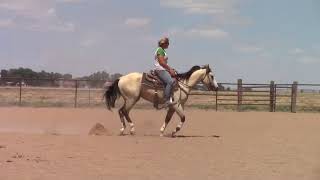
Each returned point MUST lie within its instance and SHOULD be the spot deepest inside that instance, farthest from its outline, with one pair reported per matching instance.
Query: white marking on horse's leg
(162, 129)
(167, 120)
(132, 130)
(122, 131)
(123, 127)
(123, 123)
(180, 113)
(178, 128)
(128, 107)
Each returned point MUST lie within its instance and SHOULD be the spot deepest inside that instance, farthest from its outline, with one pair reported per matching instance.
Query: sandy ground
(53, 144)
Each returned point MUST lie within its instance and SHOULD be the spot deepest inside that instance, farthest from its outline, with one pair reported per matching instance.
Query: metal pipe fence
(238, 96)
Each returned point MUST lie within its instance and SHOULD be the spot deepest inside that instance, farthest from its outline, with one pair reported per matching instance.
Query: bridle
(187, 86)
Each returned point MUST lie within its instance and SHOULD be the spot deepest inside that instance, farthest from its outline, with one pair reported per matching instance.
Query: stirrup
(166, 105)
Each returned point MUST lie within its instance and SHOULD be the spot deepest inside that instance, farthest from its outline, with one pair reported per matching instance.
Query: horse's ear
(207, 68)
(204, 66)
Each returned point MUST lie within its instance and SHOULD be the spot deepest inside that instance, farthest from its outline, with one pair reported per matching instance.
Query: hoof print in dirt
(17, 156)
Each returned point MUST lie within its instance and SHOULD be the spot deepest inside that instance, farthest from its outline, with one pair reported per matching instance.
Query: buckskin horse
(133, 86)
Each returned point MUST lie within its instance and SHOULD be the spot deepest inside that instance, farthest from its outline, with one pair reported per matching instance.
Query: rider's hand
(172, 72)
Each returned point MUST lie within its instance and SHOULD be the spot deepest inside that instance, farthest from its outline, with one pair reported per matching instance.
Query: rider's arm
(163, 62)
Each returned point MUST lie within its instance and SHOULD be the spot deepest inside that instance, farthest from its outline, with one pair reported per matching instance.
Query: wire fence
(237, 96)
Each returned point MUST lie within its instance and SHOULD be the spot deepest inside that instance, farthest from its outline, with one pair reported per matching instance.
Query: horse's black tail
(112, 94)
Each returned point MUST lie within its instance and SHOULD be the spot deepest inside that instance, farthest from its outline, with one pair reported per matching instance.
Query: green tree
(115, 76)
(4, 73)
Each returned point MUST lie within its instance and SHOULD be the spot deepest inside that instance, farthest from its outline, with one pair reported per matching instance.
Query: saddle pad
(152, 81)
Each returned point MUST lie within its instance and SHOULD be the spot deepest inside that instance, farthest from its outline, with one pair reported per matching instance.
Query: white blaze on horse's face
(215, 83)
(210, 81)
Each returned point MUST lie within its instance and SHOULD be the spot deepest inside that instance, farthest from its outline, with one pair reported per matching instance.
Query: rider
(163, 70)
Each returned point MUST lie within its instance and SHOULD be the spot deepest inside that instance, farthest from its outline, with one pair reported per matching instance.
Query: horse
(131, 88)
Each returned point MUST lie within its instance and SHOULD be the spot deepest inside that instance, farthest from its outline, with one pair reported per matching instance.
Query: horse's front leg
(180, 112)
(167, 120)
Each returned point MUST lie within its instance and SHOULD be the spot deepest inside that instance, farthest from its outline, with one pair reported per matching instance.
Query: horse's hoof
(121, 133)
(173, 134)
(132, 133)
(161, 135)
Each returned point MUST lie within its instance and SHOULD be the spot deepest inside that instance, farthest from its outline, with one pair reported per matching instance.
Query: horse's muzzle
(213, 88)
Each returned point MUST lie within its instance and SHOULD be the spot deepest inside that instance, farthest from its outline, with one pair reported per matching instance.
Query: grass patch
(202, 106)
(44, 104)
(313, 109)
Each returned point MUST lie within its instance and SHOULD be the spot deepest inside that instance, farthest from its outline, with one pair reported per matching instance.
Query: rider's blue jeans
(168, 81)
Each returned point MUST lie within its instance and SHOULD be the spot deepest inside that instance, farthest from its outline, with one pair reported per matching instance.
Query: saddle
(151, 80)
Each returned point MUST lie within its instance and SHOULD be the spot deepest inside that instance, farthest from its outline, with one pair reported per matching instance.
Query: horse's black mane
(187, 75)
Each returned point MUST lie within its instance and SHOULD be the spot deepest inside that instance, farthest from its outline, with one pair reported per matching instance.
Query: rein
(186, 85)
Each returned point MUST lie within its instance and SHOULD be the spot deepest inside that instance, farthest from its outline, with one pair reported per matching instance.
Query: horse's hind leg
(167, 120)
(124, 114)
(128, 106)
(123, 123)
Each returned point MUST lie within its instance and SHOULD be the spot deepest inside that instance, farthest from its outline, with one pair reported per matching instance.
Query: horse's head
(200, 74)
(209, 79)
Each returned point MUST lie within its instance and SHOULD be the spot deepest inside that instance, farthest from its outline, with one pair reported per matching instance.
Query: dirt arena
(53, 144)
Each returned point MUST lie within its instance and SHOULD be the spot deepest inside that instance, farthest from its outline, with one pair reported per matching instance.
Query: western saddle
(151, 80)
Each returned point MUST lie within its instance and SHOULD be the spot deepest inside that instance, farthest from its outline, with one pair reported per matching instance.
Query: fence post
(294, 92)
(89, 96)
(272, 96)
(76, 94)
(275, 98)
(239, 92)
(20, 92)
(217, 99)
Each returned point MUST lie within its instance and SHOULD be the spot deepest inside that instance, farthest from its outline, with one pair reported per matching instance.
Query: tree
(4, 73)
(22, 73)
(67, 76)
(97, 79)
(115, 76)
(33, 78)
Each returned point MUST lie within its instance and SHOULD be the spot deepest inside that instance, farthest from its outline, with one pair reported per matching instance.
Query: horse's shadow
(183, 136)
(193, 136)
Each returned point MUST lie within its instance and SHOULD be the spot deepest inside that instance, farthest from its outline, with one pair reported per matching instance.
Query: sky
(255, 40)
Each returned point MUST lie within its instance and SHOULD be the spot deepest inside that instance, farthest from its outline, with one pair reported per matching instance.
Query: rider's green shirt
(160, 52)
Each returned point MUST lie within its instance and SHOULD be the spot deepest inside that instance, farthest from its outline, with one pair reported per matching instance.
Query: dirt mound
(99, 130)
